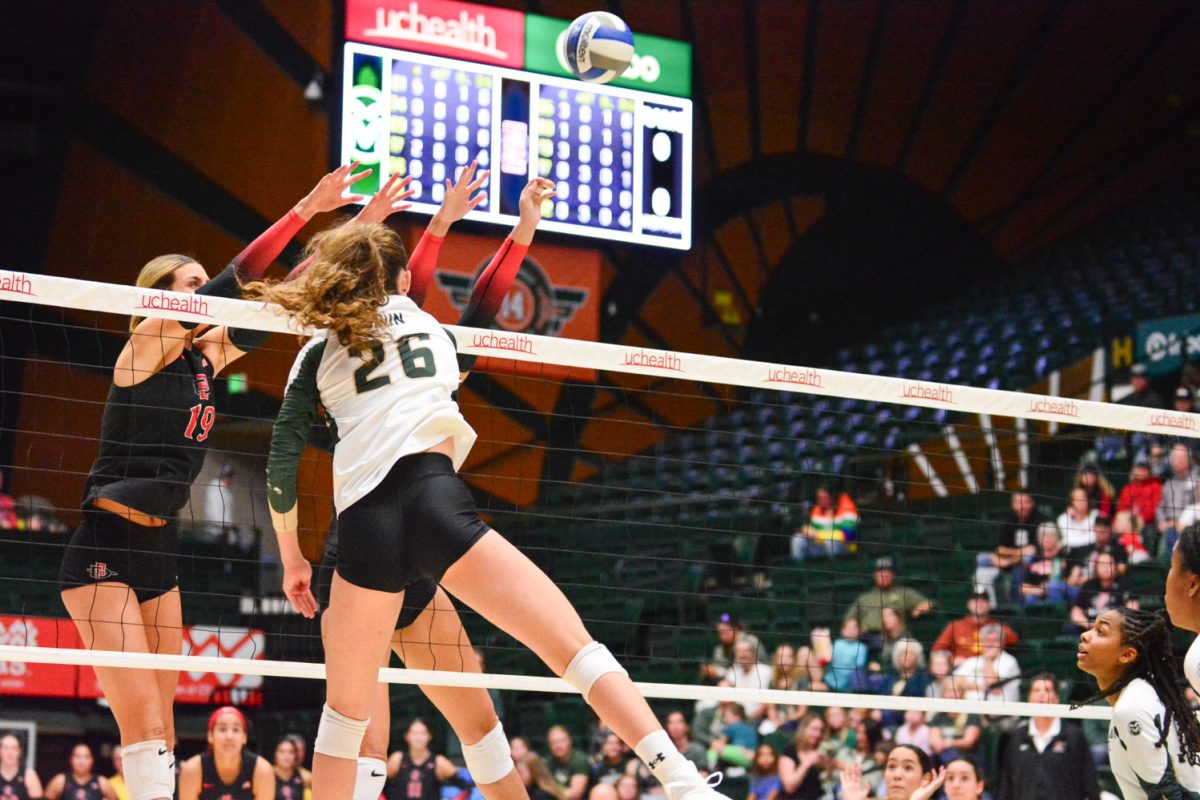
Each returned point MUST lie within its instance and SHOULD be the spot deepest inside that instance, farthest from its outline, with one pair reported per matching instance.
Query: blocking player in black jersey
(118, 575)
(17, 782)
(387, 373)
(227, 770)
(80, 782)
(289, 780)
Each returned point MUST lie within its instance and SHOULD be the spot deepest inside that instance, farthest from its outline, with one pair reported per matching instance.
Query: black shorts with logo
(107, 548)
(413, 526)
(417, 596)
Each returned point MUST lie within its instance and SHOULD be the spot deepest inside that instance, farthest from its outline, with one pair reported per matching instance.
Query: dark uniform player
(417, 773)
(80, 783)
(289, 780)
(16, 781)
(227, 770)
(154, 434)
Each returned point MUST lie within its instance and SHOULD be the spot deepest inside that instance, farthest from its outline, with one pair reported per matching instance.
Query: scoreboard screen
(620, 158)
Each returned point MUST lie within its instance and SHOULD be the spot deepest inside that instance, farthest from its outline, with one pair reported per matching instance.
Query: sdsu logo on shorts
(99, 571)
(533, 304)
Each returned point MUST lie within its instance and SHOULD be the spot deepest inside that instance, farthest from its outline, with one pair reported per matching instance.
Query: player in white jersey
(403, 512)
(1154, 738)
(1183, 597)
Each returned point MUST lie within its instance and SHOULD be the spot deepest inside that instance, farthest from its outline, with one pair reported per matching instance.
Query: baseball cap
(884, 562)
(980, 591)
(1139, 371)
(1183, 393)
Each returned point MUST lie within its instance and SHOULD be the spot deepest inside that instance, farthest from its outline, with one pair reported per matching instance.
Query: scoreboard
(620, 158)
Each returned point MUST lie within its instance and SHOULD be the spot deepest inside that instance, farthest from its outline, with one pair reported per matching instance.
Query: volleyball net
(668, 494)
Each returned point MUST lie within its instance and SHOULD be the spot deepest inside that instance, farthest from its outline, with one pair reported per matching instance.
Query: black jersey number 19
(417, 362)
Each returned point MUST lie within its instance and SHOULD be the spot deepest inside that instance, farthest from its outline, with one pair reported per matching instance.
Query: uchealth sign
(1164, 345)
(441, 28)
(30, 679)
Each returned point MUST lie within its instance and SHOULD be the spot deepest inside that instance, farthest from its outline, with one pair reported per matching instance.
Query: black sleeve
(224, 285)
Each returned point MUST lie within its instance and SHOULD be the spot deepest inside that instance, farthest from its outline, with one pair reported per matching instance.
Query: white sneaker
(686, 784)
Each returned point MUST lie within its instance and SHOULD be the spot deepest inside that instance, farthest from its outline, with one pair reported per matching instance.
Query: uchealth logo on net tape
(1177, 422)
(924, 391)
(656, 359)
(16, 283)
(162, 301)
(794, 377)
(1047, 405)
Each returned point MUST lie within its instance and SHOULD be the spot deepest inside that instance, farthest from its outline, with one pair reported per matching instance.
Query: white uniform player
(1144, 769)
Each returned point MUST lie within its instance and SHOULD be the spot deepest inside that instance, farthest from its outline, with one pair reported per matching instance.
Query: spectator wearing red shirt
(961, 637)
(8, 508)
(1099, 490)
(1141, 495)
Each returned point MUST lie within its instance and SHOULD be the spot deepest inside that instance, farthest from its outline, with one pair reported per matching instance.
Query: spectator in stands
(831, 529)
(868, 737)
(733, 750)
(8, 507)
(117, 779)
(748, 673)
(1100, 593)
(613, 761)
(1049, 758)
(628, 788)
(14, 775)
(952, 736)
(765, 783)
(1100, 490)
(965, 779)
(1158, 459)
(961, 637)
(994, 673)
(602, 791)
(838, 744)
(867, 609)
(941, 676)
(801, 764)
(915, 732)
(1046, 578)
(1143, 394)
(1178, 492)
(907, 676)
(1016, 543)
(894, 629)
(1085, 570)
(569, 767)
(787, 674)
(847, 664)
(729, 633)
(1129, 539)
(1077, 525)
(1185, 401)
(539, 783)
(1141, 495)
(519, 746)
(680, 732)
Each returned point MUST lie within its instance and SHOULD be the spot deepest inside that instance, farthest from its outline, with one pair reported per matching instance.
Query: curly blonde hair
(353, 271)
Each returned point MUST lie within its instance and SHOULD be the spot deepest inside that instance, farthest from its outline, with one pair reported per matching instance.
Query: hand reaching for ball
(533, 198)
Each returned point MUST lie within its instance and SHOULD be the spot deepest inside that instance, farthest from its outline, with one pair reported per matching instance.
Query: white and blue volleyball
(597, 47)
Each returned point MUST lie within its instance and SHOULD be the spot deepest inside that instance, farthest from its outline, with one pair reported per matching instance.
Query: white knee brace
(372, 774)
(490, 759)
(148, 773)
(590, 664)
(338, 735)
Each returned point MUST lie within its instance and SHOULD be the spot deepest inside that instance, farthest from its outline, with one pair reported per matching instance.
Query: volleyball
(598, 47)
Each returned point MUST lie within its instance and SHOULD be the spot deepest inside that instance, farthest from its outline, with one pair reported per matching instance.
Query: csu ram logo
(533, 304)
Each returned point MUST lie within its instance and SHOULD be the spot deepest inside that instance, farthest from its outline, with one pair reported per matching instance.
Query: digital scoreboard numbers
(620, 158)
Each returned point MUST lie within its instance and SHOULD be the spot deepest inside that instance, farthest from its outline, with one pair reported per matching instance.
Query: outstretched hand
(852, 783)
(533, 196)
(930, 789)
(388, 200)
(332, 191)
(464, 195)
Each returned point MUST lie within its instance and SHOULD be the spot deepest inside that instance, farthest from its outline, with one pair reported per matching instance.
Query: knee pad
(490, 759)
(148, 773)
(372, 774)
(589, 665)
(339, 736)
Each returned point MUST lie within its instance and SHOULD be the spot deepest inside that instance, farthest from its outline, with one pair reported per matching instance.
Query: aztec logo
(533, 304)
(19, 633)
(225, 643)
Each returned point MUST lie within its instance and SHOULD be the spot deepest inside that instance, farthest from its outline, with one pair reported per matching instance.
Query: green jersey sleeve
(292, 426)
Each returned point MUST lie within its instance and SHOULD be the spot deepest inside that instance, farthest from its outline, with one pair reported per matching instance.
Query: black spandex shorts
(109, 548)
(413, 526)
(417, 596)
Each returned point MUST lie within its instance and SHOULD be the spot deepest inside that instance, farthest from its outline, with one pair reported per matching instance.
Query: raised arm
(288, 438)
(462, 197)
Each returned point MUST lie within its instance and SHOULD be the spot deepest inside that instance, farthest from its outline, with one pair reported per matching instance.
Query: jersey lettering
(204, 416)
(417, 362)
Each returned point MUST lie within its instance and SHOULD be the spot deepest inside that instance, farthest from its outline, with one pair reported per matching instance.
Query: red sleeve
(299, 269)
(945, 642)
(493, 284)
(1011, 637)
(422, 264)
(252, 262)
(1125, 502)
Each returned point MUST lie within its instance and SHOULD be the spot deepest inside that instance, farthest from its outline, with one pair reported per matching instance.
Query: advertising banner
(441, 28)
(37, 680)
(1164, 345)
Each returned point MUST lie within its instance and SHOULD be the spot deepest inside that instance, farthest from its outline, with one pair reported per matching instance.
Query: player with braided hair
(1154, 739)
(1183, 596)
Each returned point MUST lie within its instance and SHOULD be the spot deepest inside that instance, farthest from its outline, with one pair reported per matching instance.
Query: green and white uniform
(390, 402)
(1144, 770)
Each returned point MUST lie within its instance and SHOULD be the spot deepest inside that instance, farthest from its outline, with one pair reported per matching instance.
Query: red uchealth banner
(62, 680)
(556, 293)
(440, 27)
